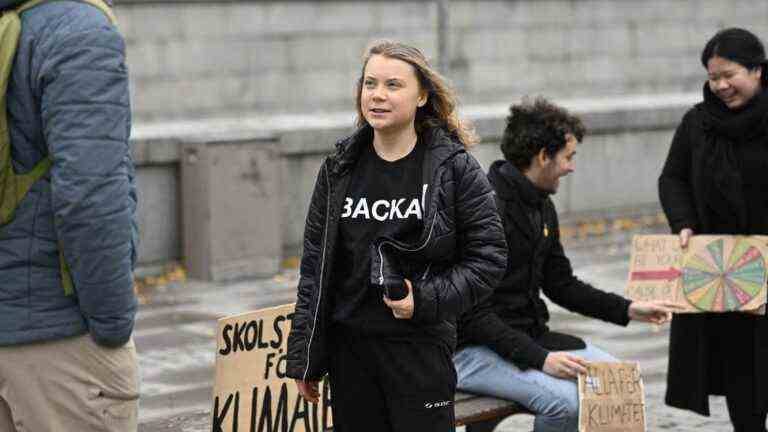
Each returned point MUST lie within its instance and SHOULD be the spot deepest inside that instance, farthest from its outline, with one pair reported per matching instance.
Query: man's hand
(562, 364)
(403, 308)
(685, 235)
(655, 312)
(309, 390)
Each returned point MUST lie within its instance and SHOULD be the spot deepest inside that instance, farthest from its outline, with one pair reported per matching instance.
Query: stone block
(486, 153)
(469, 46)
(123, 19)
(500, 14)
(731, 13)
(208, 56)
(592, 72)
(298, 177)
(587, 42)
(659, 69)
(209, 21)
(288, 92)
(158, 212)
(663, 39)
(411, 15)
(502, 78)
(466, 15)
(195, 96)
(156, 21)
(231, 202)
(545, 43)
(649, 13)
(339, 51)
(597, 13)
(153, 151)
(268, 54)
(618, 170)
(318, 17)
(248, 20)
(147, 59)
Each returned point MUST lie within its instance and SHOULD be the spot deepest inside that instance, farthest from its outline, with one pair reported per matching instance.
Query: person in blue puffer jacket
(67, 360)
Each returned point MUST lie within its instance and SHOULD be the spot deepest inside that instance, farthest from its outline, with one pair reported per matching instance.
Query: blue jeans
(554, 401)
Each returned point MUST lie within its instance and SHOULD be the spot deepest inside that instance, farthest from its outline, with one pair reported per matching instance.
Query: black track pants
(744, 420)
(391, 386)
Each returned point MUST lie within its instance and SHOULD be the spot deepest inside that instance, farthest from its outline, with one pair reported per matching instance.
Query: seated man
(505, 347)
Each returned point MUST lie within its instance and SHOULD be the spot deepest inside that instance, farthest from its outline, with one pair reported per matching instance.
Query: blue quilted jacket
(68, 98)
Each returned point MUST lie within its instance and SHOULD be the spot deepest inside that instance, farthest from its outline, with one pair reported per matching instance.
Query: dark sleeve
(86, 115)
(483, 250)
(483, 327)
(565, 289)
(312, 257)
(675, 191)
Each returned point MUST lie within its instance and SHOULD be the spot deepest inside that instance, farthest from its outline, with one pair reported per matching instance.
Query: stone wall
(617, 167)
(201, 59)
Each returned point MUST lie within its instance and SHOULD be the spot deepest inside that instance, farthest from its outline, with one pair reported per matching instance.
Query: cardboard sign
(713, 274)
(251, 392)
(611, 398)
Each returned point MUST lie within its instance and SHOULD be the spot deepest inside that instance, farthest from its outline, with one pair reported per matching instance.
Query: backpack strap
(99, 4)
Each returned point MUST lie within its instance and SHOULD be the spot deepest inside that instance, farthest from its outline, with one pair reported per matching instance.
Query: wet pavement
(176, 328)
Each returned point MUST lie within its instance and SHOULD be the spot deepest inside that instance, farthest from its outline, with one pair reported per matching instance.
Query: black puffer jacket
(458, 259)
(513, 321)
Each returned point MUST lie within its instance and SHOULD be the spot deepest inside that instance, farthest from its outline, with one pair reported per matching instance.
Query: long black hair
(740, 46)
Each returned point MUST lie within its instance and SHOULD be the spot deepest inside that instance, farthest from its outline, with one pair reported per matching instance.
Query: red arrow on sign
(670, 274)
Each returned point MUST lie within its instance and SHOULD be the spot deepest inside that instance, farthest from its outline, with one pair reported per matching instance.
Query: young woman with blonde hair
(402, 236)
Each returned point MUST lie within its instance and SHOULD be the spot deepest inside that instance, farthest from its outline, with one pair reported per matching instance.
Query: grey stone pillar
(231, 208)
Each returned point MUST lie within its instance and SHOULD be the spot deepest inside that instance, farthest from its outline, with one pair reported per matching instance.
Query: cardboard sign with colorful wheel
(713, 274)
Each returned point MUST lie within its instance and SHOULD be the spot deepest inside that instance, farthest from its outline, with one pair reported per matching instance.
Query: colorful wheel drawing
(718, 280)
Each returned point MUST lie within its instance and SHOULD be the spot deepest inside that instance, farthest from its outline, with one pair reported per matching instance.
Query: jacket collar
(441, 145)
(515, 188)
(512, 185)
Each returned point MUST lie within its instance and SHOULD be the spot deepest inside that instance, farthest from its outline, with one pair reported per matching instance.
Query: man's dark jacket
(458, 259)
(513, 321)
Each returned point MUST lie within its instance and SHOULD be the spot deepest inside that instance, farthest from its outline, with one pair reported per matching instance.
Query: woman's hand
(403, 308)
(310, 390)
(655, 312)
(685, 235)
(562, 364)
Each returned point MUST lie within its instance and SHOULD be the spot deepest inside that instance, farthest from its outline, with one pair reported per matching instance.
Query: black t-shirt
(383, 199)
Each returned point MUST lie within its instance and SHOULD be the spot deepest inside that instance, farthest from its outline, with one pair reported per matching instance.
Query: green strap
(66, 275)
(99, 4)
(14, 187)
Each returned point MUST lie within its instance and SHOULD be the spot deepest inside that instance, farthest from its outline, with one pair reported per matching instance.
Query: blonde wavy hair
(440, 109)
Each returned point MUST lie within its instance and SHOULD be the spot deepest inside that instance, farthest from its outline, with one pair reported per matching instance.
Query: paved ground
(175, 338)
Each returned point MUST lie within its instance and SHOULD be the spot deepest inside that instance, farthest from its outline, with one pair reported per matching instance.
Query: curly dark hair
(532, 126)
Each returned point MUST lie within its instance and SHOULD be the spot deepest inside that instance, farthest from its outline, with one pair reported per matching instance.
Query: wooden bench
(477, 413)
(483, 413)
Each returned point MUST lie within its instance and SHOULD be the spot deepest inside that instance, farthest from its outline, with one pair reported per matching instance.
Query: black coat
(703, 187)
(513, 321)
(458, 259)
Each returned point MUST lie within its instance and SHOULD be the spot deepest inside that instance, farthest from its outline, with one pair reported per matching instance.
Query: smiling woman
(401, 238)
(714, 182)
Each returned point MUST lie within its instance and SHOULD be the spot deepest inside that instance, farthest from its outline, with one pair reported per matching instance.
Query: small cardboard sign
(611, 398)
(251, 391)
(713, 274)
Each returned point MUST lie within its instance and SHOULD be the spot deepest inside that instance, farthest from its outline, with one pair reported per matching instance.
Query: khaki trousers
(67, 385)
